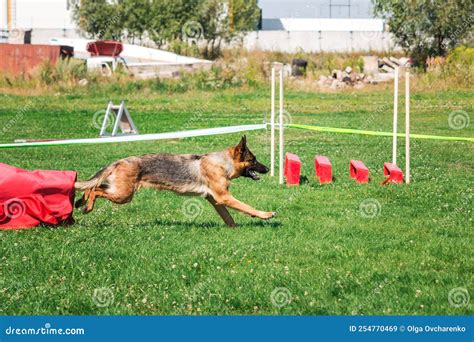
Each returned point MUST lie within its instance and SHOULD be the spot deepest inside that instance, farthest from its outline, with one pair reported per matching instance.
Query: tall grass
(237, 68)
(453, 71)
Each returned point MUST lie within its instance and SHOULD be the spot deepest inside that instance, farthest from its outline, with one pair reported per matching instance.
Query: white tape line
(142, 137)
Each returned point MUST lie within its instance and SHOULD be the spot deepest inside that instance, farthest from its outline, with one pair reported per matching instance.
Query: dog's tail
(96, 180)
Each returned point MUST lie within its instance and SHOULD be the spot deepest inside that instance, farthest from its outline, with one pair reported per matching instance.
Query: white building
(46, 18)
(319, 25)
(336, 9)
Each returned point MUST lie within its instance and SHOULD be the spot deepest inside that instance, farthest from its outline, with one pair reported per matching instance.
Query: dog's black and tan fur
(207, 175)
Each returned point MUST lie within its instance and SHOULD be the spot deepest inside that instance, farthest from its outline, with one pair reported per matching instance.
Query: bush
(460, 64)
(65, 70)
(456, 69)
(236, 68)
(461, 55)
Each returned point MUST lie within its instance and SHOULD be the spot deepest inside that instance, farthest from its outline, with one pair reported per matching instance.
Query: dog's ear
(242, 146)
(243, 141)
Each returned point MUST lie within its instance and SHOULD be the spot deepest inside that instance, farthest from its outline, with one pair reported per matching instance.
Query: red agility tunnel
(359, 171)
(29, 198)
(292, 169)
(323, 169)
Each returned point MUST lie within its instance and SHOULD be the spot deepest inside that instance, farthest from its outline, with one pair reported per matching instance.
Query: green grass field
(326, 253)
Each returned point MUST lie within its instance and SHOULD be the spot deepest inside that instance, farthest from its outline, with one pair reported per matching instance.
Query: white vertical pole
(108, 113)
(395, 117)
(407, 126)
(272, 127)
(281, 126)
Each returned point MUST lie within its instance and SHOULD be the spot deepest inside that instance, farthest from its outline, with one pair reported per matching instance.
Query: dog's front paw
(268, 215)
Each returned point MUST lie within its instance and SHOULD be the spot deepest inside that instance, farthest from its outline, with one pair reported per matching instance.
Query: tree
(167, 18)
(133, 18)
(98, 18)
(198, 22)
(427, 27)
(225, 21)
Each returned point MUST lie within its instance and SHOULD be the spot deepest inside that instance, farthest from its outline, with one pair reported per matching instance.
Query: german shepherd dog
(207, 175)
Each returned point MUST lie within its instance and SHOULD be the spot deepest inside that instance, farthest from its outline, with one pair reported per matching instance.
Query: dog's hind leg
(90, 203)
(222, 211)
(83, 200)
(80, 202)
(91, 197)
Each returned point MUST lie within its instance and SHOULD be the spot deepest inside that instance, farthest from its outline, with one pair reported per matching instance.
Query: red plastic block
(394, 173)
(359, 171)
(292, 169)
(323, 169)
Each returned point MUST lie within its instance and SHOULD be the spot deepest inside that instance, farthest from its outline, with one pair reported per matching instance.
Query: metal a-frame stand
(122, 117)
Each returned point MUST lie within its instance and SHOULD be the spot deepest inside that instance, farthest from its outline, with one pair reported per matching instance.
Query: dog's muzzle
(251, 172)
